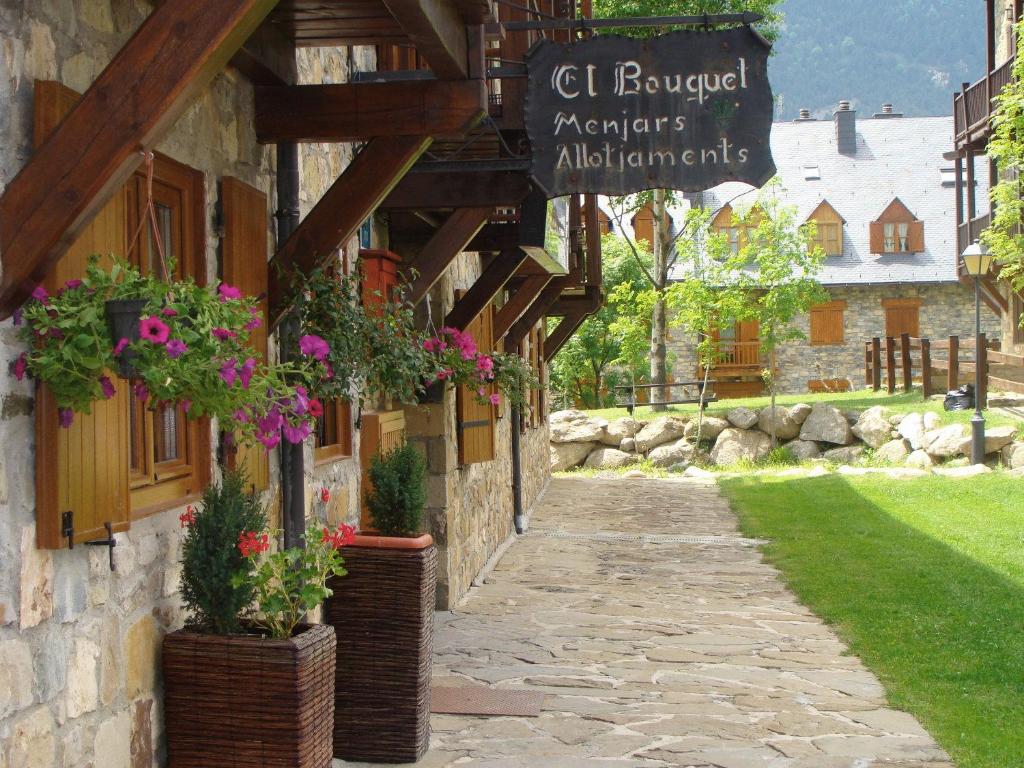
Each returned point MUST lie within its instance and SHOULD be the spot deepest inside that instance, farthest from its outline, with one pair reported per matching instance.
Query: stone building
(86, 84)
(883, 196)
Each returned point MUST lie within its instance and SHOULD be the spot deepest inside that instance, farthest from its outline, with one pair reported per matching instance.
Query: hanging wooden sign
(685, 110)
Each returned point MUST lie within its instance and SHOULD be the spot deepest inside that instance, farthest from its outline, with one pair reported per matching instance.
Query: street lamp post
(977, 261)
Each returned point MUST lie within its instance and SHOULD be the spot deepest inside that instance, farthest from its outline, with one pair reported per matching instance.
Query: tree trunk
(659, 326)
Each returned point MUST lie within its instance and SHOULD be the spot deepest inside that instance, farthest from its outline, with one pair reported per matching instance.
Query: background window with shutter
(643, 225)
(829, 226)
(738, 230)
(475, 420)
(902, 316)
(827, 323)
(897, 231)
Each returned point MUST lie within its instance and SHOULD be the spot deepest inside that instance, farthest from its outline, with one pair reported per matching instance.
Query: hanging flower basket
(123, 316)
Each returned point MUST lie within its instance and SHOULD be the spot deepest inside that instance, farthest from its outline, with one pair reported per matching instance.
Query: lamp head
(977, 259)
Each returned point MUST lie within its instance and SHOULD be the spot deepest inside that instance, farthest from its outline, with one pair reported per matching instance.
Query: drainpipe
(293, 471)
(517, 474)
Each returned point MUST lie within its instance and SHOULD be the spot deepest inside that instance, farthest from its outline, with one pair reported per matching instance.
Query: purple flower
(141, 392)
(301, 401)
(66, 417)
(40, 294)
(56, 333)
(228, 292)
(119, 347)
(17, 316)
(255, 321)
(245, 372)
(271, 422)
(296, 434)
(70, 285)
(314, 346)
(186, 405)
(20, 366)
(223, 334)
(228, 374)
(495, 399)
(241, 416)
(176, 348)
(168, 312)
(108, 387)
(269, 439)
(154, 330)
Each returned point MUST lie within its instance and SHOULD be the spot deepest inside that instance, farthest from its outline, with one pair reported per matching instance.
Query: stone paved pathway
(659, 652)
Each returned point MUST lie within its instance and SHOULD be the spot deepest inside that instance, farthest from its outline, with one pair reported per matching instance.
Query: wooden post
(926, 368)
(876, 363)
(867, 363)
(981, 360)
(890, 364)
(905, 362)
(953, 377)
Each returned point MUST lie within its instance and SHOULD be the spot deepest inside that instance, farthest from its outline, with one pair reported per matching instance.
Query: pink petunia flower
(107, 386)
(168, 312)
(186, 405)
(228, 373)
(40, 294)
(228, 292)
(119, 347)
(296, 434)
(495, 399)
(314, 346)
(245, 372)
(66, 417)
(20, 366)
(154, 330)
(484, 364)
(240, 416)
(269, 439)
(223, 334)
(176, 348)
(70, 285)
(271, 422)
(255, 321)
(141, 392)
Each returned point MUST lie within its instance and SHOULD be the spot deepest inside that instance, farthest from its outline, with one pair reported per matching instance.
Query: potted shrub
(246, 682)
(383, 613)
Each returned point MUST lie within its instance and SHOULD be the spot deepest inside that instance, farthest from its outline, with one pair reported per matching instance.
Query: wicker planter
(383, 611)
(249, 702)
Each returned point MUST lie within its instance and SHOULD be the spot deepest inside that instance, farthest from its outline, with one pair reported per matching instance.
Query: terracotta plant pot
(249, 701)
(123, 316)
(383, 611)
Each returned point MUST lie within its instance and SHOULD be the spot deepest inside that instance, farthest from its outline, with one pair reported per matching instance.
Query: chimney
(846, 128)
(887, 113)
(805, 117)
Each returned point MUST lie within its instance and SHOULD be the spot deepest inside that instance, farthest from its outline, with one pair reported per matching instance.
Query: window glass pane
(890, 238)
(167, 434)
(165, 220)
(904, 243)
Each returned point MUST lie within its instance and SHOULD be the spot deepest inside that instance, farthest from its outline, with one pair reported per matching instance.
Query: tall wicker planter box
(383, 611)
(249, 702)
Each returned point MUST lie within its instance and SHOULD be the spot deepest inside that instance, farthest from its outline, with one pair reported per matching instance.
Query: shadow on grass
(942, 630)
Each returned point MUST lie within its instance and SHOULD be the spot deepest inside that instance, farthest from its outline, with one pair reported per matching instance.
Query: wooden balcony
(970, 231)
(974, 106)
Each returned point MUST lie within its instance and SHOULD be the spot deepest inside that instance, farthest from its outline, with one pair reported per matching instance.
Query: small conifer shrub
(399, 492)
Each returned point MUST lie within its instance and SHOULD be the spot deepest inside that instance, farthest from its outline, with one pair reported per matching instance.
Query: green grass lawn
(924, 579)
(858, 400)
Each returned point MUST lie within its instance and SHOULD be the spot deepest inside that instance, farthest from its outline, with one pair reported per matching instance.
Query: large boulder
(803, 450)
(972, 470)
(894, 451)
(710, 427)
(800, 412)
(873, 427)
(911, 427)
(568, 455)
(826, 424)
(659, 432)
(920, 459)
(742, 418)
(952, 440)
(1013, 456)
(610, 458)
(786, 427)
(932, 420)
(619, 430)
(997, 438)
(676, 452)
(740, 444)
(576, 427)
(847, 454)
(628, 445)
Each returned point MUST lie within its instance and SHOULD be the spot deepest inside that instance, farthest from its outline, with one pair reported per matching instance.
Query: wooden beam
(447, 243)
(495, 238)
(149, 83)
(990, 286)
(341, 211)
(358, 111)
(572, 305)
(439, 189)
(536, 311)
(438, 31)
(569, 325)
(518, 303)
(483, 291)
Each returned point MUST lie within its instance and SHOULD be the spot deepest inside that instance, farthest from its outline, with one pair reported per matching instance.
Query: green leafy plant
(191, 352)
(290, 583)
(515, 377)
(214, 595)
(399, 491)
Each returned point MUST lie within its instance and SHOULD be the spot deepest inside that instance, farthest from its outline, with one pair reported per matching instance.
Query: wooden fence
(940, 362)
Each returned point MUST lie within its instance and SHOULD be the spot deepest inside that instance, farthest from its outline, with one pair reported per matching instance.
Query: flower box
(383, 611)
(249, 701)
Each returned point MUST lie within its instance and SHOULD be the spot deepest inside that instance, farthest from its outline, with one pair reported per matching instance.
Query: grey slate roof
(896, 157)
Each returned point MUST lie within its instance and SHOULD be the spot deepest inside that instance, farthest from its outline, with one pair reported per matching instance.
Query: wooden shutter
(245, 266)
(84, 469)
(827, 323)
(902, 316)
(475, 420)
(877, 237)
(915, 237)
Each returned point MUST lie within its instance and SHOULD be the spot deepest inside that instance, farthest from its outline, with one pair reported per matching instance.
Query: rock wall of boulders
(821, 431)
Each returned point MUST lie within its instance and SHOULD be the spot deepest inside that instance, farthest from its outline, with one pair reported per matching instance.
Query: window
(333, 436)
(737, 229)
(902, 316)
(897, 231)
(604, 222)
(829, 229)
(643, 224)
(827, 323)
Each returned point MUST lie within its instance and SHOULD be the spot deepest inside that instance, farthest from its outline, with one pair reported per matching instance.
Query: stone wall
(946, 309)
(79, 645)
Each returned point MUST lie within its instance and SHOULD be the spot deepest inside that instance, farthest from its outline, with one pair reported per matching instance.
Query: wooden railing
(738, 354)
(972, 109)
(971, 230)
(909, 359)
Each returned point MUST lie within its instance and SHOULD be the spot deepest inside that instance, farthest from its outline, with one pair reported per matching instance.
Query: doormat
(478, 700)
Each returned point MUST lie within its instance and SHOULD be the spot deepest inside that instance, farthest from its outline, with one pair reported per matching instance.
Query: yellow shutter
(245, 266)
(82, 470)
(475, 422)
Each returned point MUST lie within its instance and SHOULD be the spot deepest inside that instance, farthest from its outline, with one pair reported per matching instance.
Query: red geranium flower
(188, 517)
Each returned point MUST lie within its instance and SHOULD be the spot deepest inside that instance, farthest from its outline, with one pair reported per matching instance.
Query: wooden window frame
(341, 413)
(821, 313)
(897, 232)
